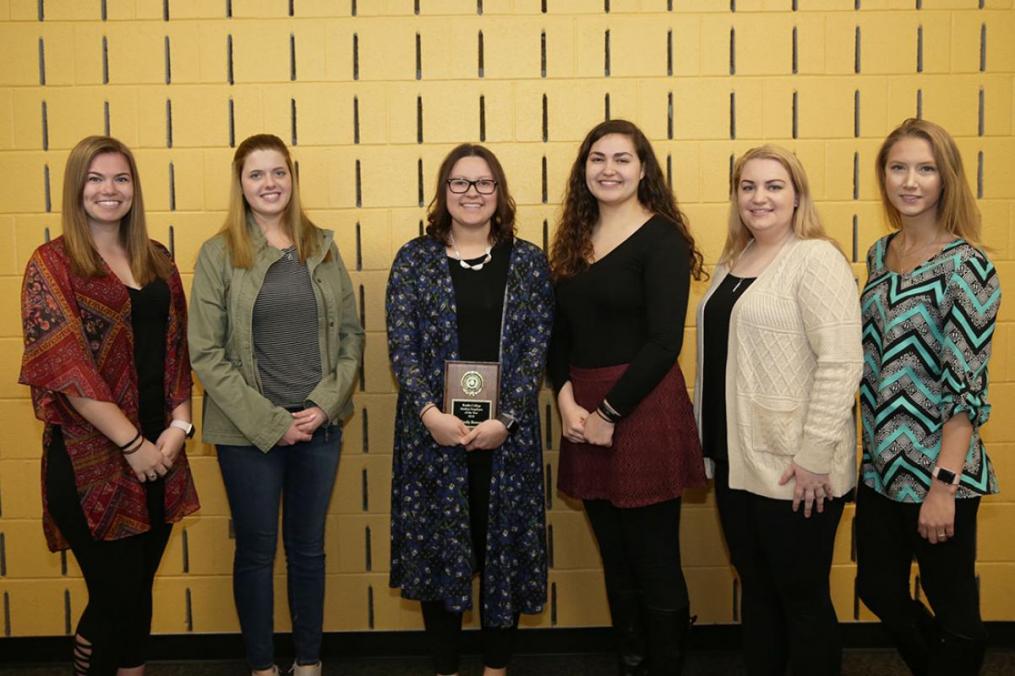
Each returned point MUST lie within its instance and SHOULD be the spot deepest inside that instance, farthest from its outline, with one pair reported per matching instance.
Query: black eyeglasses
(484, 186)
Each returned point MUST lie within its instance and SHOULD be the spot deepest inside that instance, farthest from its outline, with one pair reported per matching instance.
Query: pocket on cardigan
(775, 430)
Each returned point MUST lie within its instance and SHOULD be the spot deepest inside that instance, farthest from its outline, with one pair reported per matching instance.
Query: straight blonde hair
(806, 221)
(304, 234)
(147, 261)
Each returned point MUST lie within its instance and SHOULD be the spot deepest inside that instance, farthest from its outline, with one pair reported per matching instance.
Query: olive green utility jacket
(222, 347)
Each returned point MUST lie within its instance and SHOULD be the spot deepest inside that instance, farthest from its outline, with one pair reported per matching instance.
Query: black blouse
(149, 319)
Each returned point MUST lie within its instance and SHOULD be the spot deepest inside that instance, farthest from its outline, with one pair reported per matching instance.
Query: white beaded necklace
(487, 256)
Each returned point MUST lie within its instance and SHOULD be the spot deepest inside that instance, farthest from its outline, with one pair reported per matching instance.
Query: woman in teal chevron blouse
(929, 308)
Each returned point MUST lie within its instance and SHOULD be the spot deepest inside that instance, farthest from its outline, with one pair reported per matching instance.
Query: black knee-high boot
(629, 626)
(667, 640)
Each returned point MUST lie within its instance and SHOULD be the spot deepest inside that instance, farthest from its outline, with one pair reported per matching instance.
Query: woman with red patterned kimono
(106, 357)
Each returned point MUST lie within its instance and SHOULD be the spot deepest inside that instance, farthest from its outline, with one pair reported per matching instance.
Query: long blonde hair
(956, 210)
(146, 260)
(806, 221)
(297, 225)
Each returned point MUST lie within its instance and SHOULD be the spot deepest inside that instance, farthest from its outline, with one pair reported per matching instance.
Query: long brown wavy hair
(502, 223)
(146, 260)
(304, 234)
(572, 242)
(956, 210)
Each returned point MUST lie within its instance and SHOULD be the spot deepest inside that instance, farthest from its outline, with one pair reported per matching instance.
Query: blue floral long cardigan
(431, 546)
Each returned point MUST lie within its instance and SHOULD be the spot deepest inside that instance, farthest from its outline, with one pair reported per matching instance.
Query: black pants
(783, 561)
(640, 548)
(443, 627)
(118, 573)
(886, 543)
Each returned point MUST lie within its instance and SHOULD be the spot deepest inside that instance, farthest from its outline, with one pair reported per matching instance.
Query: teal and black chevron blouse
(926, 340)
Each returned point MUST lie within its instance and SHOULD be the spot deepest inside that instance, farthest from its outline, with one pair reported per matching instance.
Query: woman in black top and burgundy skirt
(622, 259)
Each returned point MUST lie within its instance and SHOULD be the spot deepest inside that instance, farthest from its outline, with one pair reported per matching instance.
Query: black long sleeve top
(626, 308)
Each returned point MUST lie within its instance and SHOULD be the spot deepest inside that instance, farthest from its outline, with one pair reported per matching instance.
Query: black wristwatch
(508, 421)
(945, 476)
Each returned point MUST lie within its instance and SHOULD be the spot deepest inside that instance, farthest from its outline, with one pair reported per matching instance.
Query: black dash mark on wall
(796, 51)
(549, 545)
(45, 126)
(549, 481)
(669, 116)
(352, 7)
(105, 118)
(919, 104)
(979, 175)
(983, 47)
(733, 5)
(167, 49)
(359, 246)
(733, 115)
(415, 7)
(41, 10)
(292, 56)
(480, 68)
(919, 4)
(606, 6)
(606, 53)
(105, 60)
(3, 555)
(606, 106)
(856, 243)
(856, 599)
(421, 197)
(165, 10)
(919, 48)
(185, 542)
(366, 429)
(368, 553)
(733, 51)
(169, 123)
(232, 123)
(355, 56)
(359, 186)
(188, 610)
(548, 418)
(229, 9)
(42, 61)
(419, 54)
(980, 112)
(172, 254)
(479, 7)
(66, 611)
(63, 552)
(419, 119)
(355, 119)
(795, 5)
(796, 114)
(7, 615)
(546, 119)
(545, 181)
(542, 54)
(292, 7)
(482, 118)
(856, 113)
(370, 606)
(856, 48)
(856, 175)
(546, 235)
(669, 171)
(292, 120)
(47, 189)
(229, 60)
(365, 487)
(421, 227)
(542, 7)
(172, 187)
(362, 306)
(103, 10)
(553, 604)
(856, 4)
(729, 172)
(669, 52)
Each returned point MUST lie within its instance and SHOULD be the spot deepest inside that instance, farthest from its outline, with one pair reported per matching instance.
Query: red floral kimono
(79, 341)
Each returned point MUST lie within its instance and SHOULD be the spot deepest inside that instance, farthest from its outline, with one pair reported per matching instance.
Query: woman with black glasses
(467, 482)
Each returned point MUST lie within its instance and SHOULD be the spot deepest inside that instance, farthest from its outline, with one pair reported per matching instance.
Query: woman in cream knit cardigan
(779, 361)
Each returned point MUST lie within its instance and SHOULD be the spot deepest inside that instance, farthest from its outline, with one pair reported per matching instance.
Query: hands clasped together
(448, 430)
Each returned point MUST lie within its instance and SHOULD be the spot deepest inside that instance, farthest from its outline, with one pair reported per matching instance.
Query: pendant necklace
(487, 256)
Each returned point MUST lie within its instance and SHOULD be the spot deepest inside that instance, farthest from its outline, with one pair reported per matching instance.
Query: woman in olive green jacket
(275, 339)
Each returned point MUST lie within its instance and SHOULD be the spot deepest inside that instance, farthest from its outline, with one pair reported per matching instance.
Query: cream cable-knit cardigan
(792, 370)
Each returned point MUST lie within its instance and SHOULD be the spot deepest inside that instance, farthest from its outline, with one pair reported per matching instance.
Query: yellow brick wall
(181, 81)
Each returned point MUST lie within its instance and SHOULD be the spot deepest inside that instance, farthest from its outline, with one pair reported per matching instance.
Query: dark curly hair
(502, 223)
(572, 243)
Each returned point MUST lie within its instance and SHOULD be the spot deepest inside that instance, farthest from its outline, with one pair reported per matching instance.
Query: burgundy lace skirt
(655, 453)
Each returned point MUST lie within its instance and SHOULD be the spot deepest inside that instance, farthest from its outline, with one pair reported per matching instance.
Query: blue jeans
(303, 476)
